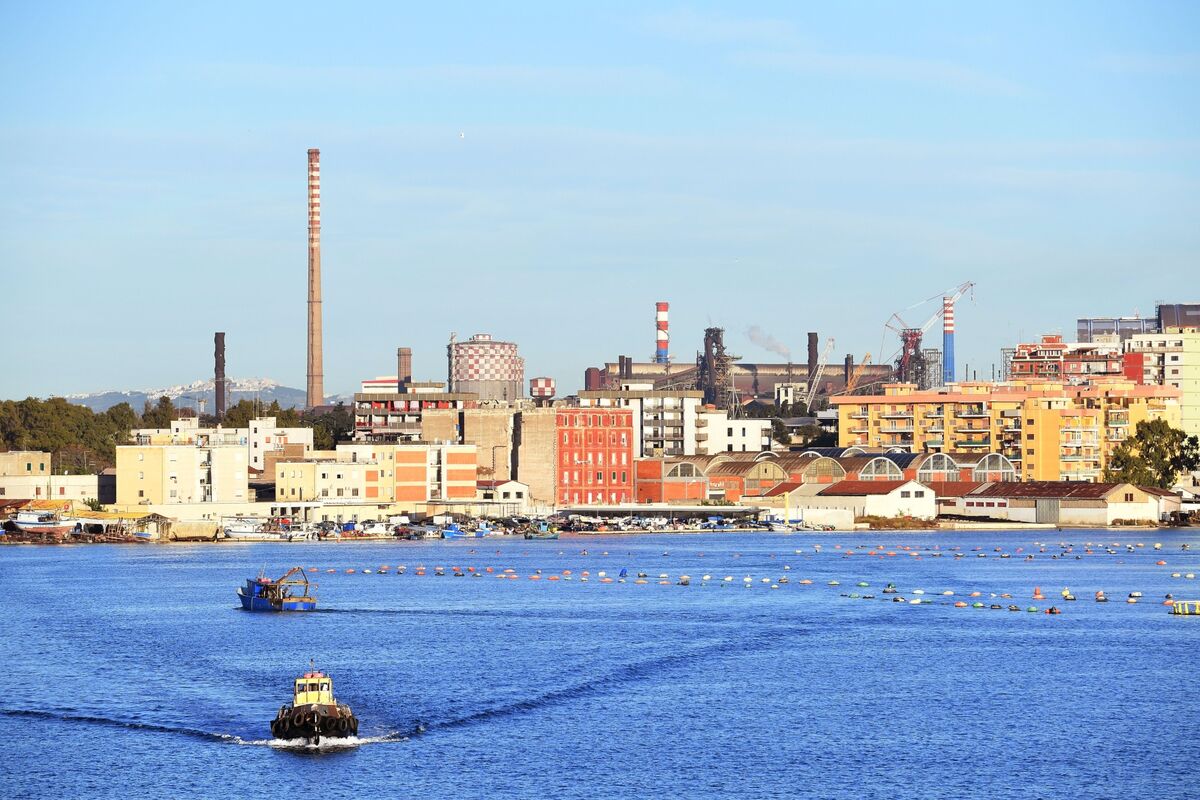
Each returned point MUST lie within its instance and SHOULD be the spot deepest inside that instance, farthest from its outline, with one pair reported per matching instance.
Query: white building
(263, 436)
(717, 433)
(664, 420)
(49, 487)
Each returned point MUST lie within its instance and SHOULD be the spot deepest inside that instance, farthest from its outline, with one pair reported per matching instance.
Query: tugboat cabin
(314, 688)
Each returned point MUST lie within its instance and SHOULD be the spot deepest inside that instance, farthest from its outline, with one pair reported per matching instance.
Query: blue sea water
(130, 672)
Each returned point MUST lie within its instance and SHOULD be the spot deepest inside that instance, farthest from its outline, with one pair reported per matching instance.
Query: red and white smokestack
(663, 336)
(947, 340)
(316, 378)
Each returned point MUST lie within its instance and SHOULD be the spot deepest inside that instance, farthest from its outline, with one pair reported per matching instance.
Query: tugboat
(264, 594)
(314, 712)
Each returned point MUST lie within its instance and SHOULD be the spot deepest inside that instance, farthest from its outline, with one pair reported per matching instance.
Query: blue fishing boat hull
(263, 604)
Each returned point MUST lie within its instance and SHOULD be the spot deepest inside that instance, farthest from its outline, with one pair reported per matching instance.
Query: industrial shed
(1058, 503)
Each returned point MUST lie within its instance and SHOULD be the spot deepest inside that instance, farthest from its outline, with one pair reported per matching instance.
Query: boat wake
(628, 673)
(327, 744)
(330, 744)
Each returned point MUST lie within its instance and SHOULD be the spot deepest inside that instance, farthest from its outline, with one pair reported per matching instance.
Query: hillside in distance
(188, 395)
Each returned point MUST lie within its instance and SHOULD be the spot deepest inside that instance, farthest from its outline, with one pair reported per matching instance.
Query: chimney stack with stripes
(316, 377)
(662, 335)
(947, 340)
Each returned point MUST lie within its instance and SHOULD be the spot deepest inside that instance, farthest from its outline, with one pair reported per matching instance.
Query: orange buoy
(1161, 563)
(960, 604)
(1037, 593)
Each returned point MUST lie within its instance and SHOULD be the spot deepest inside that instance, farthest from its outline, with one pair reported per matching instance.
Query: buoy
(834, 583)
(960, 604)
(1160, 563)
(805, 582)
(862, 583)
(1037, 593)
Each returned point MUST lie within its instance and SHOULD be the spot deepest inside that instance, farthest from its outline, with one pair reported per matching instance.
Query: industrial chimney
(403, 367)
(812, 355)
(948, 340)
(662, 335)
(316, 377)
(219, 374)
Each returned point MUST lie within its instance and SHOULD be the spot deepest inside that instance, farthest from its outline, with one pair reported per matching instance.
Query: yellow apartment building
(1048, 430)
(158, 474)
(24, 463)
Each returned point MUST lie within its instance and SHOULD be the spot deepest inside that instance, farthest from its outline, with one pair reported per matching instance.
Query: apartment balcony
(898, 429)
(1081, 428)
(859, 415)
(975, 443)
(1011, 413)
(897, 415)
(1011, 429)
(936, 429)
(972, 413)
(935, 415)
(969, 429)
(935, 442)
(701, 436)
(858, 430)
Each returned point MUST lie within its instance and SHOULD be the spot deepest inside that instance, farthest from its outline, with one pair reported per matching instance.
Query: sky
(546, 171)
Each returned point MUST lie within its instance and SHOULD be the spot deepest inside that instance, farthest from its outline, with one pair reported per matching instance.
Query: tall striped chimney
(316, 376)
(947, 340)
(663, 337)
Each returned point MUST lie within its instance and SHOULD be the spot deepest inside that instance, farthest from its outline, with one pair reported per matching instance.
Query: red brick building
(595, 456)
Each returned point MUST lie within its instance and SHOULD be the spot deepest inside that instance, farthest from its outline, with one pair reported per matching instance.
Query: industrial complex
(829, 440)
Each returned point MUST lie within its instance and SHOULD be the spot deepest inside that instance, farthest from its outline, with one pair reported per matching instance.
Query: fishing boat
(314, 712)
(541, 530)
(44, 522)
(264, 594)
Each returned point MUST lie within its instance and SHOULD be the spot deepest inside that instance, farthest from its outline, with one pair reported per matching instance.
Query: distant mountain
(187, 395)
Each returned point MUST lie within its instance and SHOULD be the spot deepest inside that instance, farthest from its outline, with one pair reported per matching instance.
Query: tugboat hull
(314, 723)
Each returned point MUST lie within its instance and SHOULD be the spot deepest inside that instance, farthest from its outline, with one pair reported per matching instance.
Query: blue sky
(792, 166)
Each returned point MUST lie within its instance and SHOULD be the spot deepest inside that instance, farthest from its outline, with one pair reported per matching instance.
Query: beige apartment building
(1048, 430)
(383, 473)
(1172, 359)
(169, 474)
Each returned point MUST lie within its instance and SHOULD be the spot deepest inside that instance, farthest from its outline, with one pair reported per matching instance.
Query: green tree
(158, 415)
(122, 419)
(1156, 455)
(330, 427)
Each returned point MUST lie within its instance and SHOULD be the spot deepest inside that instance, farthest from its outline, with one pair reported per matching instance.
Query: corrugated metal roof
(861, 488)
(902, 460)
(781, 489)
(954, 488)
(1061, 490)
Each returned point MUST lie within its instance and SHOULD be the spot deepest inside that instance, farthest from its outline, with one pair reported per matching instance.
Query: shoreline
(951, 527)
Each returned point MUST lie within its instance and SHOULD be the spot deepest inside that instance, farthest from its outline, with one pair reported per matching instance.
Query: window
(340, 492)
(141, 476)
(1129, 497)
(1029, 451)
(141, 493)
(2, 491)
(354, 492)
(906, 493)
(62, 490)
(41, 466)
(1029, 437)
(730, 433)
(919, 494)
(173, 493)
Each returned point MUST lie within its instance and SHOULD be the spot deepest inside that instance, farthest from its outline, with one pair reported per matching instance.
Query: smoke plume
(768, 342)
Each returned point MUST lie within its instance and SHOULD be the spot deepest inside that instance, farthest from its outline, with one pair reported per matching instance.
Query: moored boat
(314, 712)
(264, 594)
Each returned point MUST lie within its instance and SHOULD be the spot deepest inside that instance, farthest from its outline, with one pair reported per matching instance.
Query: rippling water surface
(130, 672)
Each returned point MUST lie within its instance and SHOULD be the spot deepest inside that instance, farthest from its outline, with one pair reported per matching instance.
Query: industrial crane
(856, 376)
(815, 379)
(910, 363)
